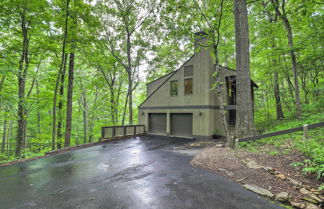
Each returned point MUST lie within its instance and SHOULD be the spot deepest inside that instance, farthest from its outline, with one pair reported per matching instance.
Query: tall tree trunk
(77, 131)
(92, 117)
(5, 118)
(69, 109)
(117, 101)
(130, 80)
(112, 104)
(60, 106)
(59, 74)
(22, 75)
(4, 134)
(244, 107)
(221, 106)
(276, 91)
(85, 116)
(229, 139)
(125, 108)
(9, 141)
(286, 23)
(130, 100)
(39, 131)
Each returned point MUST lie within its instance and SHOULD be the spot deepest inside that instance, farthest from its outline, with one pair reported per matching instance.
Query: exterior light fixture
(200, 113)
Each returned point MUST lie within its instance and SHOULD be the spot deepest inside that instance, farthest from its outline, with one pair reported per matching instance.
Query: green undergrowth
(312, 148)
(27, 154)
(31, 152)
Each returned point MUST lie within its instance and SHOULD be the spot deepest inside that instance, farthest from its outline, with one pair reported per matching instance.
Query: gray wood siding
(151, 87)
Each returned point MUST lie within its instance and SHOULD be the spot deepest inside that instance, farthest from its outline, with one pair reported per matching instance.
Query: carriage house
(183, 102)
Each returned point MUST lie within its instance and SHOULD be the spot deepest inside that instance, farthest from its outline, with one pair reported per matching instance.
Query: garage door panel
(181, 124)
(157, 123)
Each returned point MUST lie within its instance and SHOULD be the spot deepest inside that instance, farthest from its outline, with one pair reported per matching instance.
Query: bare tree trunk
(130, 80)
(9, 141)
(117, 101)
(77, 130)
(59, 74)
(92, 117)
(60, 106)
(276, 91)
(112, 104)
(285, 20)
(85, 115)
(4, 136)
(230, 141)
(54, 110)
(125, 108)
(38, 111)
(5, 118)
(69, 109)
(22, 75)
(244, 107)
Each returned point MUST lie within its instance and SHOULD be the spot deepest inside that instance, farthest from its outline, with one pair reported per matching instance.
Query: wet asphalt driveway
(146, 172)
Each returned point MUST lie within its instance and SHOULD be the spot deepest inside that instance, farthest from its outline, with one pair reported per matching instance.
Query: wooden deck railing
(282, 132)
(109, 132)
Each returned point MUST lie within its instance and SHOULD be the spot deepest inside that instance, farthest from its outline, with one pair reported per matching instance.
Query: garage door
(157, 123)
(181, 124)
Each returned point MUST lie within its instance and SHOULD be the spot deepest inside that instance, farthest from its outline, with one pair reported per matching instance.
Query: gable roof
(172, 73)
(160, 78)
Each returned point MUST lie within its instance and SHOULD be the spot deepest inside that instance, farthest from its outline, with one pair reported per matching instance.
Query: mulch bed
(233, 165)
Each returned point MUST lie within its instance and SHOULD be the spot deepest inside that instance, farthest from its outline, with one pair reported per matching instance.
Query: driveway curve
(137, 173)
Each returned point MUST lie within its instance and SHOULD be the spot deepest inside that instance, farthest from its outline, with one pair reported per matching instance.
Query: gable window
(188, 86)
(174, 88)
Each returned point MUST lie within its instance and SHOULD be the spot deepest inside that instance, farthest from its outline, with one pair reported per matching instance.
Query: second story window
(174, 88)
(188, 86)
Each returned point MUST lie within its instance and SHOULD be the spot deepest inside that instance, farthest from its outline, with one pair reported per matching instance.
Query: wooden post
(113, 132)
(134, 130)
(236, 145)
(305, 129)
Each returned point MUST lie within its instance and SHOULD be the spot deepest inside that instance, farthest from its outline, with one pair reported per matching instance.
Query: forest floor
(274, 173)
